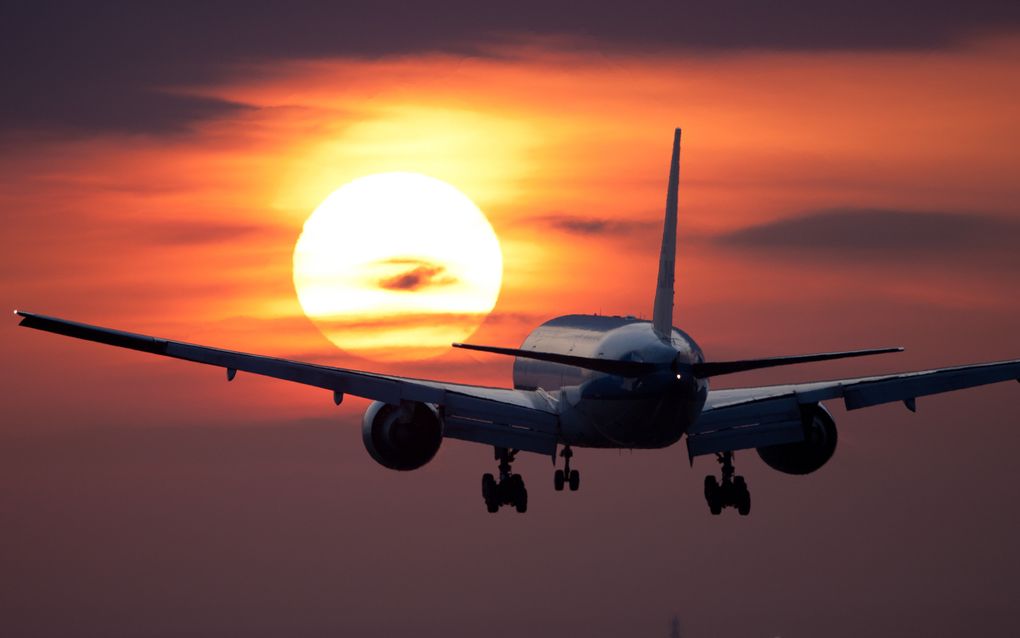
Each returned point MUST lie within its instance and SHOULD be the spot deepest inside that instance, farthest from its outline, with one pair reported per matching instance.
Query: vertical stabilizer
(662, 313)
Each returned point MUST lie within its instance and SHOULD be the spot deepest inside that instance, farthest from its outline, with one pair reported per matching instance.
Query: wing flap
(745, 438)
(510, 437)
(747, 425)
(471, 408)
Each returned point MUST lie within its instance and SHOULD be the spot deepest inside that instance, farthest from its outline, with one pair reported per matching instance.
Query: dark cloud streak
(423, 274)
(193, 233)
(870, 233)
(102, 67)
(596, 226)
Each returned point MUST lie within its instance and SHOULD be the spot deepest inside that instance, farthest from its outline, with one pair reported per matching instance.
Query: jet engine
(401, 437)
(807, 456)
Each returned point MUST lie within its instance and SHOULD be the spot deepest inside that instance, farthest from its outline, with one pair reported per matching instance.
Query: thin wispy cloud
(878, 233)
(596, 226)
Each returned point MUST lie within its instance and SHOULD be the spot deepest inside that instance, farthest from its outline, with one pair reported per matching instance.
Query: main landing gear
(732, 492)
(510, 488)
(566, 475)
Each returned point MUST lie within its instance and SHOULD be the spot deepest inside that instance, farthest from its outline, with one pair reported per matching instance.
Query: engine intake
(401, 437)
(809, 455)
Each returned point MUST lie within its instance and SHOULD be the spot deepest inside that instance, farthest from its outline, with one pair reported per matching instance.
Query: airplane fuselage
(602, 410)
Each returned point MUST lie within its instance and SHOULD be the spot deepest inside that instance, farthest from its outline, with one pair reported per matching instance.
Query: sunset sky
(849, 179)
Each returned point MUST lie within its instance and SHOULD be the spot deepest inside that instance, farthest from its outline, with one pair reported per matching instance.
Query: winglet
(662, 311)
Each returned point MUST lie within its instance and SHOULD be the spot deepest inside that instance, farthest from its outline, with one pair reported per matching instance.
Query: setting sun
(397, 266)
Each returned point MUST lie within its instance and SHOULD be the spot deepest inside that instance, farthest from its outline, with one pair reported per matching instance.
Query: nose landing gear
(731, 492)
(566, 476)
(509, 490)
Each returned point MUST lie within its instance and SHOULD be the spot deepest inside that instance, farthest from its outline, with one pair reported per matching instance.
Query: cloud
(181, 233)
(99, 67)
(875, 233)
(594, 226)
(99, 108)
(421, 274)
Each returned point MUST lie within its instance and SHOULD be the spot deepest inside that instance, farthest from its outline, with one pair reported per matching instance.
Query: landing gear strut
(732, 492)
(509, 490)
(566, 475)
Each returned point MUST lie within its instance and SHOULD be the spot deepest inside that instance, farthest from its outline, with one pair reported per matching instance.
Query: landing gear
(731, 492)
(566, 476)
(509, 490)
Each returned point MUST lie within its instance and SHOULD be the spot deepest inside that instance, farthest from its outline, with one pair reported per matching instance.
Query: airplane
(592, 381)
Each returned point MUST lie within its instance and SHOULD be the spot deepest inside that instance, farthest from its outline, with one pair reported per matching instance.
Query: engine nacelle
(813, 452)
(401, 437)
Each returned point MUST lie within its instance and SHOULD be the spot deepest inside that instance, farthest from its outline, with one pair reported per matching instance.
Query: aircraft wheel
(522, 501)
(713, 495)
(490, 492)
(488, 487)
(575, 480)
(558, 480)
(743, 496)
(517, 493)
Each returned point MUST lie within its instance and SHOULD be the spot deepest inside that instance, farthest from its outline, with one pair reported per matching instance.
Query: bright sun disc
(397, 266)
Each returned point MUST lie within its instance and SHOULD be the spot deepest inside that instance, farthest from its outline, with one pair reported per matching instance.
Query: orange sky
(190, 236)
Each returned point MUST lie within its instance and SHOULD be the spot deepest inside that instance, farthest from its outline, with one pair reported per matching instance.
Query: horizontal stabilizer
(716, 368)
(609, 366)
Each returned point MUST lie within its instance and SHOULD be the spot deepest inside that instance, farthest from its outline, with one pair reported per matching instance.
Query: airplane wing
(745, 418)
(516, 419)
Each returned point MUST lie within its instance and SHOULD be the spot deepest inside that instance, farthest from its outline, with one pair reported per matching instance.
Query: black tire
(490, 492)
(743, 496)
(558, 480)
(518, 494)
(575, 480)
(514, 486)
(489, 489)
(521, 502)
(713, 495)
(711, 486)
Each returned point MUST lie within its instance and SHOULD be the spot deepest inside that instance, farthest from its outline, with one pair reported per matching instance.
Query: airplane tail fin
(662, 311)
